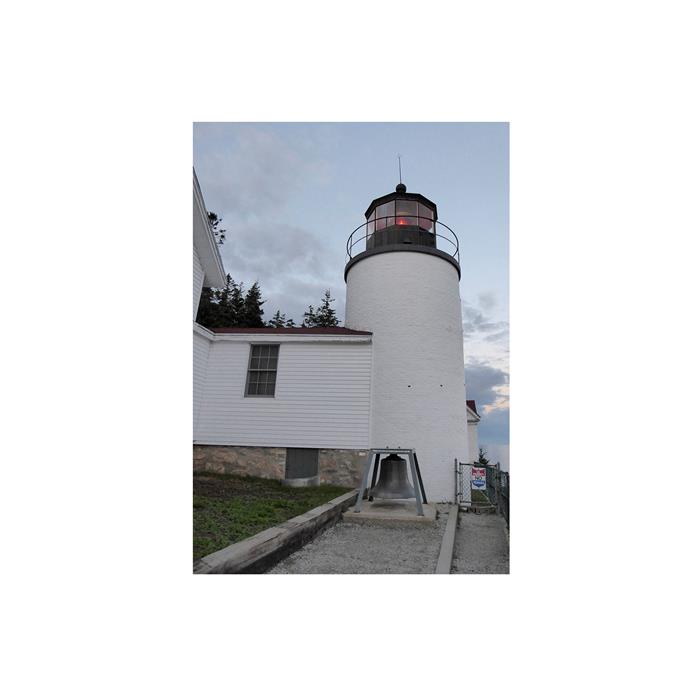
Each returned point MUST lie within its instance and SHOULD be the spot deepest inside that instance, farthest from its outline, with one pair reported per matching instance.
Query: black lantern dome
(402, 221)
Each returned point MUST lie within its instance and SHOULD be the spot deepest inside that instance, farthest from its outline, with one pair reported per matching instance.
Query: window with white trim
(262, 370)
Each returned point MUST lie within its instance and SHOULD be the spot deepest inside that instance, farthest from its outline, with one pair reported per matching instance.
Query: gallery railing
(402, 230)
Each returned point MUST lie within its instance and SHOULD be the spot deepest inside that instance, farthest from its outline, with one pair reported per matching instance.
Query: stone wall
(341, 467)
(336, 467)
(267, 462)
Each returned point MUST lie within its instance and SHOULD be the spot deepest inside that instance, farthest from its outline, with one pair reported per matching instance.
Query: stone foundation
(341, 467)
(268, 462)
(335, 467)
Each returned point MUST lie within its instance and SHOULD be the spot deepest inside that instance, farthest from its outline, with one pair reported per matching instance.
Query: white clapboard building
(306, 404)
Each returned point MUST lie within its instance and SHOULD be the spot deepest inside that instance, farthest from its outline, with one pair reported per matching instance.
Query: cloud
(251, 172)
(494, 427)
(487, 385)
(498, 337)
(487, 300)
(476, 322)
(268, 249)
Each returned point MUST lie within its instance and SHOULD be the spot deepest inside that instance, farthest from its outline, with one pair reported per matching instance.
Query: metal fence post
(456, 481)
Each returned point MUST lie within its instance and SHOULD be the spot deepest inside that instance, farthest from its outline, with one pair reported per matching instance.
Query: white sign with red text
(478, 478)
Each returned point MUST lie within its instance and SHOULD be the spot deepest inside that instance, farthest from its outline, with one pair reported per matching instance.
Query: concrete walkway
(363, 547)
(481, 545)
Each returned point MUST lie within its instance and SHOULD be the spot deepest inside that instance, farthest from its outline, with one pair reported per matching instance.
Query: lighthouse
(402, 276)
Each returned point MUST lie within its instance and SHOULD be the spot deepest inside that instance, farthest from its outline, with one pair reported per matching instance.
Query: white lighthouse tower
(402, 281)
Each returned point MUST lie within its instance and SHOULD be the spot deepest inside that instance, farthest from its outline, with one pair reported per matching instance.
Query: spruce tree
(325, 314)
(290, 323)
(483, 458)
(237, 306)
(278, 320)
(215, 223)
(221, 308)
(208, 309)
(309, 318)
(252, 308)
(231, 304)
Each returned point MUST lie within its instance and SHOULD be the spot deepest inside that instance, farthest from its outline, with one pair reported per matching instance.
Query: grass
(479, 498)
(229, 508)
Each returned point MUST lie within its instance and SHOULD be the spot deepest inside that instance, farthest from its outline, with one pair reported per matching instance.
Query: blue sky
(291, 193)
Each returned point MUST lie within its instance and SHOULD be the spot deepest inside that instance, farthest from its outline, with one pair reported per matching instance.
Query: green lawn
(229, 508)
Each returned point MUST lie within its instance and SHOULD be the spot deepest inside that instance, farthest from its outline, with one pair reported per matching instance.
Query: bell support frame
(416, 477)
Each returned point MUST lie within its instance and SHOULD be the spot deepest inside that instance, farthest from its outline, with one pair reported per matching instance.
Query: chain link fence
(498, 489)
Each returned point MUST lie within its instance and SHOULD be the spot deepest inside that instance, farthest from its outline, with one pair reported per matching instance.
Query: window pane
(262, 372)
(406, 212)
(406, 207)
(384, 210)
(427, 215)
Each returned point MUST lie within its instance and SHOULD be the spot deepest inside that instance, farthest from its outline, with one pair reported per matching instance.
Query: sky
(290, 194)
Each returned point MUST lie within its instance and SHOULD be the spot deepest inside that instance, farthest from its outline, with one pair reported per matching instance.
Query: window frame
(253, 346)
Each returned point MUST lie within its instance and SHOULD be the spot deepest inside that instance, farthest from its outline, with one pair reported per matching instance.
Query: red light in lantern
(401, 222)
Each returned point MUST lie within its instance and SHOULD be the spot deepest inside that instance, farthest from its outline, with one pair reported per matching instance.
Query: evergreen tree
(237, 305)
(208, 309)
(252, 308)
(309, 318)
(325, 314)
(231, 304)
(278, 320)
(215, 223)
(290, 323)
(483, 458)
(221, 308)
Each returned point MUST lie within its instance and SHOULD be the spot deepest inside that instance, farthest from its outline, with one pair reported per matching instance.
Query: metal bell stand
(418, 488)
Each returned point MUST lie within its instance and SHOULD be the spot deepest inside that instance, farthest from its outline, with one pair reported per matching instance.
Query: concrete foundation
(402, 511)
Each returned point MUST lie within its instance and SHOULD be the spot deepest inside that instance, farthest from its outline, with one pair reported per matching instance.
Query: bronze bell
(393, 479)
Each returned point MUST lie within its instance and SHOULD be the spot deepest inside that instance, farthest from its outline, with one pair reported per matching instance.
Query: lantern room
(401, 218)
(402, 222)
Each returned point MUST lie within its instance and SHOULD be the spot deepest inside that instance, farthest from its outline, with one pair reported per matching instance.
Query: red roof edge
(325, 330)
(472, 404)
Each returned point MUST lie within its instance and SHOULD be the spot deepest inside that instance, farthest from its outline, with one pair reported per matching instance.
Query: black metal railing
(411, 230)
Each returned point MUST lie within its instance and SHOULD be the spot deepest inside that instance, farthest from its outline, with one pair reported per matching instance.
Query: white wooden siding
(197, 281)
(322, 397)
(199, 374)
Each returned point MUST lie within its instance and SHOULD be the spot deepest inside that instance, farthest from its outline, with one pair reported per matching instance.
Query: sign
(478, 478)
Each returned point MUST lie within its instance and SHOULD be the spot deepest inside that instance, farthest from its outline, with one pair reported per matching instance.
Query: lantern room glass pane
(426, 216)
(406, 212)
(384, 210)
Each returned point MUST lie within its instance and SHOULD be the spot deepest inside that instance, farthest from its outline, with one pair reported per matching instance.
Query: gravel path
(481, 545)
(370, 548)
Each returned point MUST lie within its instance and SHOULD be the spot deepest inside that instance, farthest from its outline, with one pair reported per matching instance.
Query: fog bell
(393, 479)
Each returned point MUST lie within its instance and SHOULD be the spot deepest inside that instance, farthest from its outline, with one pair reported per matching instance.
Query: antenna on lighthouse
(398, 155)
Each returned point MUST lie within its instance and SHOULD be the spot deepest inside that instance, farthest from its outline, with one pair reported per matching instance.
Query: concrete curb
(260, 552)
(444, 562)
